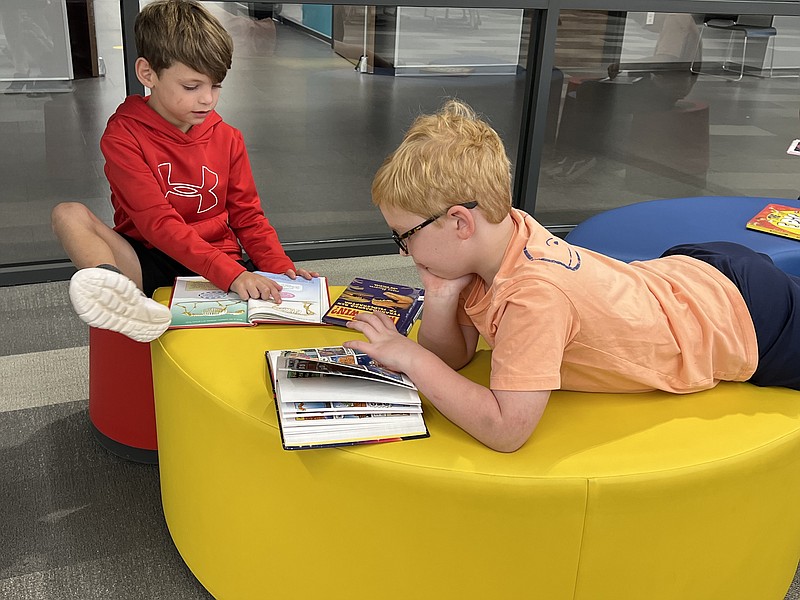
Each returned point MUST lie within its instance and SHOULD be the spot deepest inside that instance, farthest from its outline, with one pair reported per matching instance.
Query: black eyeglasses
(400, 239)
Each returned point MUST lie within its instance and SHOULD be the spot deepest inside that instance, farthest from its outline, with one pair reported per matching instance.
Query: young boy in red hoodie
(181, 186)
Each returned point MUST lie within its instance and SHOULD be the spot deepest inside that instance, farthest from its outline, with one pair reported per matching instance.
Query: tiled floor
(78, 523)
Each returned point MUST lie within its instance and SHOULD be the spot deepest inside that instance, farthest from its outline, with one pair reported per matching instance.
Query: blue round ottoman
(645, 230)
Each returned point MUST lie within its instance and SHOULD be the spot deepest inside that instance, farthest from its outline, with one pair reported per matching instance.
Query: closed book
(777, 219)
(402, 303)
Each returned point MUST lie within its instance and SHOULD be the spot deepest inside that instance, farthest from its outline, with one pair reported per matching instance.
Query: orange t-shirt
(562, 317)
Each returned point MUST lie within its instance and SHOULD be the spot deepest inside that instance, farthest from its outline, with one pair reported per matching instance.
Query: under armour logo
(203, 193)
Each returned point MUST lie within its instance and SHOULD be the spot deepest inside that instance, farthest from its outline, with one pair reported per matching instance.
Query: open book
(335, 396)
(402, 303)
(196, 302)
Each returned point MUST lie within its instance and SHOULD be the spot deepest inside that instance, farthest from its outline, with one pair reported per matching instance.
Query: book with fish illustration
(196, 302)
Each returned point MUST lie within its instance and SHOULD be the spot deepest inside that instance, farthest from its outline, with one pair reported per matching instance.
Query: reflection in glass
(629, 120)
(316, 129)
(33, 43)
(459, 41)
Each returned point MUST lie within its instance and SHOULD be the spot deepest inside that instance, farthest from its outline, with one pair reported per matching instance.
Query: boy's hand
(252, 285)
(437, 287)
(291, 274)
(385, 345)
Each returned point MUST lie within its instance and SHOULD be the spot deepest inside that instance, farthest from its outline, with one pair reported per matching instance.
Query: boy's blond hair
(170, 31)
(445, 159)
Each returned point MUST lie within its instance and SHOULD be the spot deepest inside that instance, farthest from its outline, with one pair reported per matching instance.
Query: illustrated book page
(302, 301)
(196, 302)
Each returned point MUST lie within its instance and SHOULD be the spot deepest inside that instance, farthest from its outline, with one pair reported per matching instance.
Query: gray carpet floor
(76, 522)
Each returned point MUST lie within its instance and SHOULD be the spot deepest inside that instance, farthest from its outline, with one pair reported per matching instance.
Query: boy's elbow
(510, 443)
(508, 436)
(515, 425)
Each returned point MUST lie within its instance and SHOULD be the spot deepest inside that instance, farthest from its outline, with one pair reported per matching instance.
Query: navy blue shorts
(160, 269)
(773, 299)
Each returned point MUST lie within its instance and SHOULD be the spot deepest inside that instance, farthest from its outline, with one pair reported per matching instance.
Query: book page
(302, 300)
(326, 411)
(338, 361)
(197, 302)
(314, 409)
(344, 390)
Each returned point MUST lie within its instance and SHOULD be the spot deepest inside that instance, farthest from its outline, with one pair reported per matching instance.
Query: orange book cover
(777, 219)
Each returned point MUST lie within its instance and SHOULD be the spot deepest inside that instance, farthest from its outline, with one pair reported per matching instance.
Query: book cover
(321, 407)
(403, 304)
(777, 219)
(196, 302)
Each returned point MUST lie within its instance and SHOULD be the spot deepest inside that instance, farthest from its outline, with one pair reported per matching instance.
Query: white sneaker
(110, 300)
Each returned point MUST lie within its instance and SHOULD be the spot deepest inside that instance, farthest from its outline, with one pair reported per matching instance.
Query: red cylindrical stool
(121, 407)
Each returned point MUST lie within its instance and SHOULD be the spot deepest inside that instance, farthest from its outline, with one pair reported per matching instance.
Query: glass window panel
(316, 128)
(50, 129)
(632, 122)
(460, 41)
(33, 42)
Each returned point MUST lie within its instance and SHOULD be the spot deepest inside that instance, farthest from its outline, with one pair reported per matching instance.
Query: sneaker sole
(109, 300)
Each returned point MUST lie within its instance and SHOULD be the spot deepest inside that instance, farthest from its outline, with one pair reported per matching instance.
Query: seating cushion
(635, 496)
(645, 230)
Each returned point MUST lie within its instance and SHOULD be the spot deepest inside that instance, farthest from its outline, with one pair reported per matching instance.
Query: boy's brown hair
(446, 159)
(170, 31)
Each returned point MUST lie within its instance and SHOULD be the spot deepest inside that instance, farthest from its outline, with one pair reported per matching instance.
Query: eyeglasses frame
(400, 239)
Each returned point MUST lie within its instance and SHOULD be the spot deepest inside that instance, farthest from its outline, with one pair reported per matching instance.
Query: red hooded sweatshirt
(191, 195)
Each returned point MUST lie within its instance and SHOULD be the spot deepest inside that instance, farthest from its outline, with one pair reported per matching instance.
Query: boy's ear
(145, 73)
(464, 221)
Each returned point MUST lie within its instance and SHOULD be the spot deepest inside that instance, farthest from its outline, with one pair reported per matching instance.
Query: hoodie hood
(137, 109)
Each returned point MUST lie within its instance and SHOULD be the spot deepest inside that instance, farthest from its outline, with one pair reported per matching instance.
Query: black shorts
(159, 269)
(773, 299)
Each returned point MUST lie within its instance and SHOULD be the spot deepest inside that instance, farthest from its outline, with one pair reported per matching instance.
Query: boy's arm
(440, 332)
(247, 219)
(501, 420)
(136, 189)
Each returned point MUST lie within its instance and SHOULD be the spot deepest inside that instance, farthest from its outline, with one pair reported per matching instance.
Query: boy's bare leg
(106, 290)
(89, 242)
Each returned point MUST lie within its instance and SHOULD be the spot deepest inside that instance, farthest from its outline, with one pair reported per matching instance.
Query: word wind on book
(334, 396)
(196, 302)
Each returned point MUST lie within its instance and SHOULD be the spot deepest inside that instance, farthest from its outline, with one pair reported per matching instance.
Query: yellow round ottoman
(618, 497)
